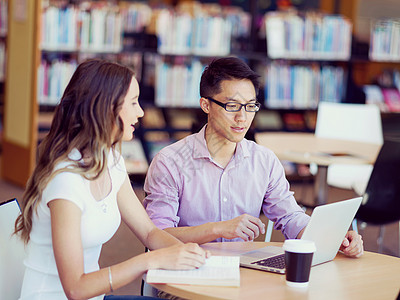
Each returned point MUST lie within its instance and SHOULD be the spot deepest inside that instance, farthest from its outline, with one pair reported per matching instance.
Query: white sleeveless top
(100, 220)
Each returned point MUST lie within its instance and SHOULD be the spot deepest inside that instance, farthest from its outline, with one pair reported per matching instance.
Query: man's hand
(245, 227)
(352, 244)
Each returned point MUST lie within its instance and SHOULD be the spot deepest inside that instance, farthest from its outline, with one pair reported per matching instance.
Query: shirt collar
(200, 149)
(242, 149)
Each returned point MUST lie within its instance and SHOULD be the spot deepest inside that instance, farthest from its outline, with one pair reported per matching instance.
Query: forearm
(127, 271)
(98, 282)
(158, 238)
(197, 234)
(300, 233)
(179, 257)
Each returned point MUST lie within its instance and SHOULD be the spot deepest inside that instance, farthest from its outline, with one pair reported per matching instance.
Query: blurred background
(306, 51)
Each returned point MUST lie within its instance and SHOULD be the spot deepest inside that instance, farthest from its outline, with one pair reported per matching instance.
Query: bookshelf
(385, 40)
(309, 35)
(168, 57)
(44, 50)
(21, 109)
(88, 30)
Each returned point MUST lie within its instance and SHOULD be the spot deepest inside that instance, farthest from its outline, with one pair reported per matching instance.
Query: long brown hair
(87, 119)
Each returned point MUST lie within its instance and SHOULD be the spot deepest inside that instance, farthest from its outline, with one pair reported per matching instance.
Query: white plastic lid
(299, 246)
(297, 284)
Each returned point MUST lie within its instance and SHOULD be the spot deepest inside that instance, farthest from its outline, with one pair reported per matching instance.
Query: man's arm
(244, 226)
(352, 244)
(163, 186)
(300, 233)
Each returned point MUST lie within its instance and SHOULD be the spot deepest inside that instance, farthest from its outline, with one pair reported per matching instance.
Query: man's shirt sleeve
(280, 205)
(162, 192)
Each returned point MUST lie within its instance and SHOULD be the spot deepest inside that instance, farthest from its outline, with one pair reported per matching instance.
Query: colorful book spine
(136, 16)
(52, 79)
(392, 99)
(174, 33)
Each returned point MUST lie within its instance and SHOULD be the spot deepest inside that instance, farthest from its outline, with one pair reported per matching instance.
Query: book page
(218, 270)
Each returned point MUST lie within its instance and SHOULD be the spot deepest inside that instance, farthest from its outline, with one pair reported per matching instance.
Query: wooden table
(373, 276)
(306, 148)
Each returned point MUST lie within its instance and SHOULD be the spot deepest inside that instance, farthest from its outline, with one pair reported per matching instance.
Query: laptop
(327, 228)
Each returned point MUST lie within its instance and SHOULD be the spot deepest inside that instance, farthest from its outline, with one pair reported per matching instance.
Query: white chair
(146, 289)
(12, 252)
(355, 122)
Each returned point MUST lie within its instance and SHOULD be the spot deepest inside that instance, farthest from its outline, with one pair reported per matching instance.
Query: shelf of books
(305, 58)
(200, 29)
(385, 40)
(74, 32)
(386, 92)
(177, 83)
(310, 35)
(302, 86)
(384, 50)
(89, 27)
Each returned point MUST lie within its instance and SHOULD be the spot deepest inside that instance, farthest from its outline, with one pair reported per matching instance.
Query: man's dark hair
(227, 68)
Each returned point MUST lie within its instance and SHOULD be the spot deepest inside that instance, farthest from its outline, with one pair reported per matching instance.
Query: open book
(217, 271)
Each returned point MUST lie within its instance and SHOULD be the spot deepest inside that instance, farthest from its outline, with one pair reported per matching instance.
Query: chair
(12, 252)
(356, 122)
(145, 288)
(381, 200)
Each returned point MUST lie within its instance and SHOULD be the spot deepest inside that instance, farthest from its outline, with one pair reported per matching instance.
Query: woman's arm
(135, 216)
(68, 250)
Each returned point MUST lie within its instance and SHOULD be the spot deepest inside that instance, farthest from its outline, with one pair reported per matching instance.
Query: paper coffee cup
(298, 259)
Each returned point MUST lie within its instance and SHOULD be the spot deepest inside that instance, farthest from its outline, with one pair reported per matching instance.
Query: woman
(79, 191)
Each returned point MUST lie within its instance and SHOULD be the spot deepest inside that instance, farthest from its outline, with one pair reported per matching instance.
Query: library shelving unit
(169, 55)
(42, 41)
(88, 30)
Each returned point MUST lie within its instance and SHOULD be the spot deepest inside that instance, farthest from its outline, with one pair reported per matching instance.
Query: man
(212, 185)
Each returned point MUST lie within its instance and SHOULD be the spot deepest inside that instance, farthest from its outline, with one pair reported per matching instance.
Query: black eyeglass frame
(223, 105)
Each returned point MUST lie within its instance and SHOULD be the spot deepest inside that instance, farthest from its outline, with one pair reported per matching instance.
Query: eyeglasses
(234, 106)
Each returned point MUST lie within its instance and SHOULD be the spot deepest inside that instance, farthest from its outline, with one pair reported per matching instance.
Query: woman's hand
(178, 257)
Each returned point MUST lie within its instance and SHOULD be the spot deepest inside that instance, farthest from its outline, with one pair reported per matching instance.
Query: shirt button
(225, 200)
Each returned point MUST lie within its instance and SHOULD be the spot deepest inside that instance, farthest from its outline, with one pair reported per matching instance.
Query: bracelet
(110, 279)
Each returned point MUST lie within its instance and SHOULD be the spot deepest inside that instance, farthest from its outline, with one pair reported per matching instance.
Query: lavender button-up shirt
(185, 187)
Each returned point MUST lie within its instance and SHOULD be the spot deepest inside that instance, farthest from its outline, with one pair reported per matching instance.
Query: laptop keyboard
(277, 262)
